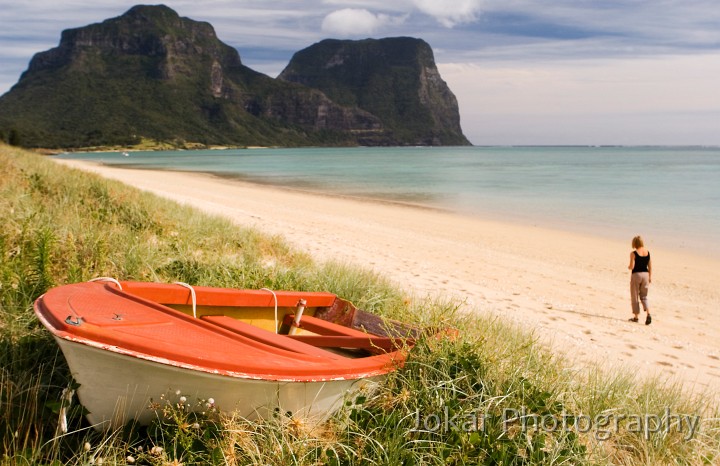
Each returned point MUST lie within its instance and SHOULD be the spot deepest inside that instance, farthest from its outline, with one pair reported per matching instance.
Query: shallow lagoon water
(670, 195)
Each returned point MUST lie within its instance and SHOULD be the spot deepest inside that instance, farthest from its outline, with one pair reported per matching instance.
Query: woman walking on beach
(640, 278)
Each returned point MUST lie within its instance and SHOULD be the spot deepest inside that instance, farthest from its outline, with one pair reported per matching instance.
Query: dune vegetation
(490, 395)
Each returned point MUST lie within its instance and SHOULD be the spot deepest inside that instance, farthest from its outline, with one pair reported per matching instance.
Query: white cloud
(354, 22)
(450, 12)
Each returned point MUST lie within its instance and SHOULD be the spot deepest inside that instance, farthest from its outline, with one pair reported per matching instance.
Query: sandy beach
(572, 290)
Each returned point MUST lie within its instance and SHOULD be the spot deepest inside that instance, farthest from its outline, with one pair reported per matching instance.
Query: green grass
(456, 401)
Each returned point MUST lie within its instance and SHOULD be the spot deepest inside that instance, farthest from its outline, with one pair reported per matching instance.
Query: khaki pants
(639, 284)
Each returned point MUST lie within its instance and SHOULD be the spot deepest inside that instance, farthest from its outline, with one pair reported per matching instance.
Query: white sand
(573, 290)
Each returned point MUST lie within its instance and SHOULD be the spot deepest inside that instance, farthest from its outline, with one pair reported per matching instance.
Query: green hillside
(150, 74)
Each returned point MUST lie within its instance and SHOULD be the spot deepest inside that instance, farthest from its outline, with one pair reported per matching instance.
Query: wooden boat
(251, 351)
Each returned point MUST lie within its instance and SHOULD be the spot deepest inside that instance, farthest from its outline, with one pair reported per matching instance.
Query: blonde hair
(637, 242)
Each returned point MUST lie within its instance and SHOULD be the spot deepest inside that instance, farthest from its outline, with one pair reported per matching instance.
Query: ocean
(670, 195)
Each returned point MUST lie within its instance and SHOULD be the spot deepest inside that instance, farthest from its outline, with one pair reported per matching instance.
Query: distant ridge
(150, 74)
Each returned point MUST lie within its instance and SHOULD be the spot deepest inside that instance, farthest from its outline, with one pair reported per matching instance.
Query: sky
(525, 72)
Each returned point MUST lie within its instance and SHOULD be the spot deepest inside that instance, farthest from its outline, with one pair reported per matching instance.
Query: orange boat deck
(134, 322)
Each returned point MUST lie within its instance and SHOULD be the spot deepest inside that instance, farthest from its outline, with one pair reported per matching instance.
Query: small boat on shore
(253, 352)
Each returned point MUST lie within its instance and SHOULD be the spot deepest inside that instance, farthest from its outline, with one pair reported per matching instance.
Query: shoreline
(569, 288)
(686, 238)
(248, 180)
(701, 250)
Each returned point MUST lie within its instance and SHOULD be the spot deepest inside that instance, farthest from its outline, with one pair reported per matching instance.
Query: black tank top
(641, 262)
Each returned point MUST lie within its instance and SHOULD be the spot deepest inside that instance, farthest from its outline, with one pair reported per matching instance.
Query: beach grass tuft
(488, 394)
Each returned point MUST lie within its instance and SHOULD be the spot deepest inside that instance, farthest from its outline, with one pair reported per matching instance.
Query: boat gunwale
(331, 369)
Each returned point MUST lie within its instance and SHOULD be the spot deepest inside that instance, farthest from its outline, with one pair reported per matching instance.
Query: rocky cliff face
(395, 79)
(149, 31)
(153, 74)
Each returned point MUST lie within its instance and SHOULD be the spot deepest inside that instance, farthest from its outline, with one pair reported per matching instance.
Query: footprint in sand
(587, 332)
(556, 318)
(712, 356)
(664, 363)
(631, 346)
(670, 356)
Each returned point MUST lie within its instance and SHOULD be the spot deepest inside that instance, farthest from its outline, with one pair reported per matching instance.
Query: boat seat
(268, 338)
(369, 343)
(323, 327)
(331, 335)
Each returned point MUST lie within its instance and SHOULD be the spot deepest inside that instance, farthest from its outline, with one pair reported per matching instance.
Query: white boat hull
(116, 388)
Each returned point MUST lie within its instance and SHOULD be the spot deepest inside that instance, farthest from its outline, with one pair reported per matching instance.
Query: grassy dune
(490, 396)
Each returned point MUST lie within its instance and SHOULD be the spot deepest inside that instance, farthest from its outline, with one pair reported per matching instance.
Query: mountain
(151, 74)
(395, 79)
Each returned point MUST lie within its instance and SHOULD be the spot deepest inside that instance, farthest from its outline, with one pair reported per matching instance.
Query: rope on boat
(78, 320)
(276, 307)
(192, 294)
(107, 279)
(65, 402)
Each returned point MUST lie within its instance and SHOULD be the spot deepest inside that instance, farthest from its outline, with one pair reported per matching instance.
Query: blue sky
(524, 71)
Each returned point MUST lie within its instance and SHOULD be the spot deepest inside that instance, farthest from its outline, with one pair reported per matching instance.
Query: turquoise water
(669, 195)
